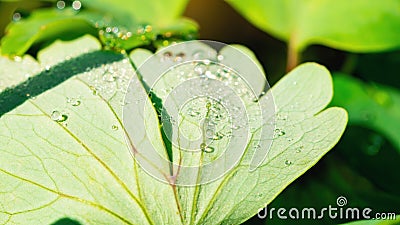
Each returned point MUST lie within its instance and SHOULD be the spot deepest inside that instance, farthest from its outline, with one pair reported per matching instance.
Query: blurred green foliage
(365, 35)
(119, 26)
(339, 24)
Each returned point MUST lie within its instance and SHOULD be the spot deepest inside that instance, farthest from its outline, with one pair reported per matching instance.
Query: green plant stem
(292, 59)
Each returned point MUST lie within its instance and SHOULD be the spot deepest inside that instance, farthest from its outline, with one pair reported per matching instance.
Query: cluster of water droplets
(212, 115)
(119, 38)
(110, 79)
(75, 5)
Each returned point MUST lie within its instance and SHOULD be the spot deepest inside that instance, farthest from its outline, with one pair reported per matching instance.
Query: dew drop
(167, 55)
(179, 57)
(218, 136)
(279, 132)
(200, 68)
(76, 102)
(115, 30)
(288, 163)
(299, 149)
(58, 117)
(205, 148)
(114, 127)
(220, 57)
(76, 5)
(16, 17)
(60, 4)
(108, 77)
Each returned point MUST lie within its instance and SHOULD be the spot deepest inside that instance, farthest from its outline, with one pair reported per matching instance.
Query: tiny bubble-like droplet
(16, 17)
(200, 68)
(299, 149)
(76, 5)
(279, 132)
(58, 116)
(114, 127)
(218, 136)
(60, 4)
(76, 102)
(288, 163)
(205, 148)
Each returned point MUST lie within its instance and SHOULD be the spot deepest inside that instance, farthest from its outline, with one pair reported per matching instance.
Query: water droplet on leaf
(205, 148)
(60, 4)
(16, 17)
(58, 116)
(200, 68)
(279, 132)
(114, 127)
(76, 5)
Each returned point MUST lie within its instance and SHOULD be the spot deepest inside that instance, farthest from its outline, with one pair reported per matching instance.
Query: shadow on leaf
(45, 80)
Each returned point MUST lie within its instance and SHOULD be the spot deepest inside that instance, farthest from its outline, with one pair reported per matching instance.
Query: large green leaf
(371, 105)
(63, 152)
(357, 26)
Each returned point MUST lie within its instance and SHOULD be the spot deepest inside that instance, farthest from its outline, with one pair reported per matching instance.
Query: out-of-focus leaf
(134, 12)
(357, 26)
(47, 24)
(371, 105)
(118, 25)
(380, 67)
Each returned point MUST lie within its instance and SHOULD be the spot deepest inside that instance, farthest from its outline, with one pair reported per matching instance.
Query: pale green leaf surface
(312, 134)
(309, 134)
(357, 26)
(81, 168)
(371, 105)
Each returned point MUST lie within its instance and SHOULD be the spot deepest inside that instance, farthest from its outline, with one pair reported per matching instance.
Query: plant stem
(292, 56)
